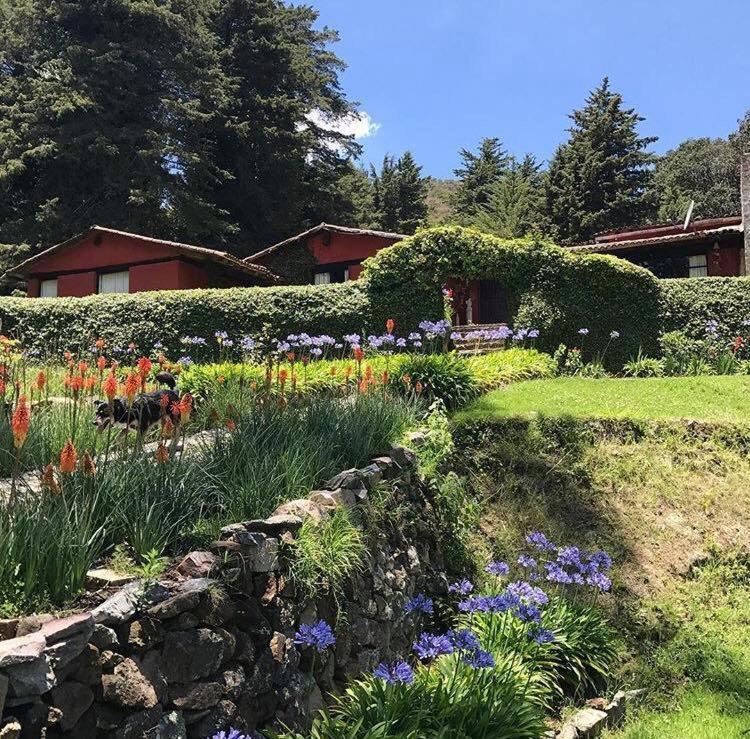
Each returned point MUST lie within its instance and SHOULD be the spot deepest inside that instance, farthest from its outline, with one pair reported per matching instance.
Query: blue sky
(436, 75)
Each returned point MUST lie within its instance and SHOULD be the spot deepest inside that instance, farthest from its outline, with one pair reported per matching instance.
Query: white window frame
(698, 265)
(48, 288)
(322, 278)
(110, 283)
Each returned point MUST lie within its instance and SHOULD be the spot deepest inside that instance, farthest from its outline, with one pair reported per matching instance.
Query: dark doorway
(493, 302)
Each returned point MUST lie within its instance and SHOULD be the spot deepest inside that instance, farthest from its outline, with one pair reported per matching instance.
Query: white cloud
(360, 125)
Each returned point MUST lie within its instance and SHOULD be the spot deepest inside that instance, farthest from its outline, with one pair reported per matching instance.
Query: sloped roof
(201, 253)
(327, 227)
(606, 247)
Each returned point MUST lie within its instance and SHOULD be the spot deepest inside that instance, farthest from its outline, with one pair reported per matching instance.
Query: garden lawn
(707, 398)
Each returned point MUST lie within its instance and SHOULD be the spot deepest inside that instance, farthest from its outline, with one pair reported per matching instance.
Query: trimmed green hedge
(51, 325)
(688, 304)
(548, 288)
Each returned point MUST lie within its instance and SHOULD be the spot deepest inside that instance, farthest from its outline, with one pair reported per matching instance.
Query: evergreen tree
(704, 170)
(477, 176)
(516, 205)
(399, 195)
(102, 115)
(276, 135)
(213, 121)
(599, 179)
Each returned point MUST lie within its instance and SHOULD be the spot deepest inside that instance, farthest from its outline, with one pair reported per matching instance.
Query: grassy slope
(662, 500)
(725, 398)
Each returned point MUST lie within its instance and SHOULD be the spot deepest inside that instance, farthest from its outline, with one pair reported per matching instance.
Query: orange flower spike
(83, 367)
(290, 357)
(48, 480)
(164, 402)
(76, 385)
(132, 385)
(88, 465)
(186, 407)
(89, 384)
(40, 381)
(68, 458)
(2, 388)
(109, 386)
(20, 422)
(101, 363)
(358, 353)
(230, 424)
(406, 379)
(144, 367)
(114, 364)
(418, 387)
(390, 324)
(100, 344)
(162, 453)
(384, 378)
(283, 374)
(167, 428)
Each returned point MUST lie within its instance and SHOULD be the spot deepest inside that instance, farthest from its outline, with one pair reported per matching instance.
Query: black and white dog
(143, 413)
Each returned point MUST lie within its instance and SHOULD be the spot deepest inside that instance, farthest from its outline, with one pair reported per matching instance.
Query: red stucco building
(324, 254)
(103, 260)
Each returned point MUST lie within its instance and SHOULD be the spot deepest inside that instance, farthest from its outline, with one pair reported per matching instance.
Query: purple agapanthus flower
(557, 574)
(527, 562)
(538, 540)
(534, 333)
(614, 334)
(431, 646)
(420, 603)
(231, 734)
(498, 568)
(600, 581)
(463, 639)
(397, 673)
(479, 659)
(462, 587)
(570, 557)
(541, 635)
(583, 331)
(318, 635)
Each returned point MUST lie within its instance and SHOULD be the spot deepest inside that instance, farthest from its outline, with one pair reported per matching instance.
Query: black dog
(143, 413)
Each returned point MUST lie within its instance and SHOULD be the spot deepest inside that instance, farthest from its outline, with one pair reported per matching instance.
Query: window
(322, 278)
(698, 266)
(114, 282)
(48, 288)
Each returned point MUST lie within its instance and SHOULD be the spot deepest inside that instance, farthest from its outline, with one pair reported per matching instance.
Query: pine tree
(212, 121)
(599, 179)
(276, 135)
(516, 205)
(477, 175)
(102, 115)
(399, 194)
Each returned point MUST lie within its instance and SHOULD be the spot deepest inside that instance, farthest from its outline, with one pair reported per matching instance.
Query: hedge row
(548, 288)
(51, 325)
(688, 305)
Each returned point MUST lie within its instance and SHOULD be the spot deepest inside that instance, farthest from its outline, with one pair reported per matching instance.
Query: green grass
(707, 398)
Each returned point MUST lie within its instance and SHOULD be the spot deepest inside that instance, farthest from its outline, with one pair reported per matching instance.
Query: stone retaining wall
(212, 645)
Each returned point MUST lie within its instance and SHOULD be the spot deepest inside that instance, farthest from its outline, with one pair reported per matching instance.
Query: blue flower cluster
(497, 568)
(419, 604)
(462, 587)
(318, 635)
(398, 672)
(571, 565)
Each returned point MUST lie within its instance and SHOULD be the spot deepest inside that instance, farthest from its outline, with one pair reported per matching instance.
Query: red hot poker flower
(144, 367)
(132, 385)
(109, 386)
(68, 458)
(390, 324)
(20, 422)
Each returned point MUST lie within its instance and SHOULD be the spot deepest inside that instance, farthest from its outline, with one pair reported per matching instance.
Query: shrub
(49, 326)
(547, 287)
(641, 366)
(443, 377)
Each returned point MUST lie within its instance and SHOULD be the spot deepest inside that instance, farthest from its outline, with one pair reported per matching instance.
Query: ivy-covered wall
(548, 288)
